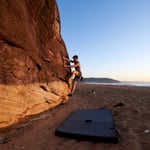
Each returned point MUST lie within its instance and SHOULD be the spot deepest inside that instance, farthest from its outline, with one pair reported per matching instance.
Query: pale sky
(111, 37)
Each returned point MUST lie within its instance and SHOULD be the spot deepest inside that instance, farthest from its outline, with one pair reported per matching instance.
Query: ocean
(142, 84)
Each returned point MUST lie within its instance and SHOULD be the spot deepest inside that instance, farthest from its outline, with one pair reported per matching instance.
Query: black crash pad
(94, 125)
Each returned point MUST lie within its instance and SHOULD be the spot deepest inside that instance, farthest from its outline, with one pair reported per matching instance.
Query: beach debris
(23, 125)
(3, 140)
(119, 105)
(43, 116)
(146, 131)
(93, 92)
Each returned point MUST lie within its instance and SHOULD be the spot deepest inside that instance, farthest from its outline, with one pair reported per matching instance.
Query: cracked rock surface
(32, 76)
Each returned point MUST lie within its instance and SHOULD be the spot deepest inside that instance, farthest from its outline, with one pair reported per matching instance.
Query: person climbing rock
(76, 75)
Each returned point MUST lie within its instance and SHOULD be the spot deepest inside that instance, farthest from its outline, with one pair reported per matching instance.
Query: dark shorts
(78, 77)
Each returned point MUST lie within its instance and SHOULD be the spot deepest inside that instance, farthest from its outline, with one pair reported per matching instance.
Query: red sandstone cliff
(32, 76)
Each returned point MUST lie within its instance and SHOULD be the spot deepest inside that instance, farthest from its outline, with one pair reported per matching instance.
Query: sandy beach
(132, 119)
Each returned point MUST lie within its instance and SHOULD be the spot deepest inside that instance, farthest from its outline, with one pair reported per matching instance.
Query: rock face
(32, 76)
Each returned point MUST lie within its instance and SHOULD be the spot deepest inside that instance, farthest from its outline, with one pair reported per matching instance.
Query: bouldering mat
(88, 124)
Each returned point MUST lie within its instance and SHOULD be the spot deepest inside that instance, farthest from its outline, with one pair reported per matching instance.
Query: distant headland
(100, 80)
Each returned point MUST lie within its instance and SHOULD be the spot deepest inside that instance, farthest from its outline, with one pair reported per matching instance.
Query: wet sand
(132, 119)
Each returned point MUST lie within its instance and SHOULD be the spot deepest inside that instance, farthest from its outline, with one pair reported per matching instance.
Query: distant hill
(100, 80)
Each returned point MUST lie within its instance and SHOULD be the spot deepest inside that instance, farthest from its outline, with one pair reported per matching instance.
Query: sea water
(142, 84)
